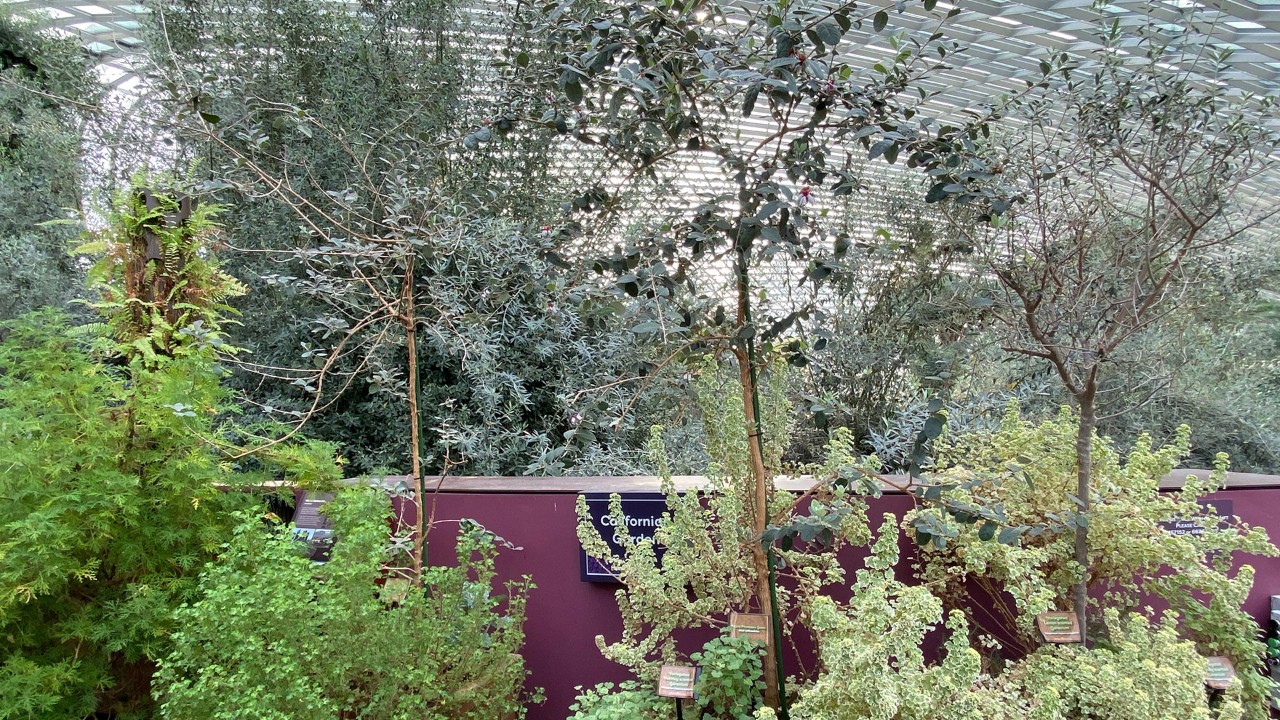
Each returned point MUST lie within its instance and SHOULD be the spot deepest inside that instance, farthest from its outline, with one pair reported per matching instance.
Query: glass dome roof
(1005, 39)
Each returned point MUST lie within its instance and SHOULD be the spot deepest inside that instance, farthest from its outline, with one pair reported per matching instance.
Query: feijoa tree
(755, 117)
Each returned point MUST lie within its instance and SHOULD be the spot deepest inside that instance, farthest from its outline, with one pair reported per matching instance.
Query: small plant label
(1220, 673)
(749, 625)
(677, 681)
(1059, 627)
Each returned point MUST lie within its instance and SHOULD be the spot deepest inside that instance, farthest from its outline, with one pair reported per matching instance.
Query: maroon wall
(565, 614)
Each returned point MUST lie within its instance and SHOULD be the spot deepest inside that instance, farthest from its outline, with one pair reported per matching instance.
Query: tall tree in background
(326, 125)
(47, 90)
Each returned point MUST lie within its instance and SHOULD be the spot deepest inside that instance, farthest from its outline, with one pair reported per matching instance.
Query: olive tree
(1119, 173)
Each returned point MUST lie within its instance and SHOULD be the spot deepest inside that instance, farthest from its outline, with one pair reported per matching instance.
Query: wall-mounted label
(312, 526)
(677, 681)
(749, 625)
(1059, 627)
(1215, 511)
(642, 515)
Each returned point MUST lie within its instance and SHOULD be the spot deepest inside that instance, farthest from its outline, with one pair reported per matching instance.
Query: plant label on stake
(1220, 673)
(749, 625)
(677, 681)
(1059, 627)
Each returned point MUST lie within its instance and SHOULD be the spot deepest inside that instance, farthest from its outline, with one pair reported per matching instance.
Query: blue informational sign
(1216, 512)
(643, 515)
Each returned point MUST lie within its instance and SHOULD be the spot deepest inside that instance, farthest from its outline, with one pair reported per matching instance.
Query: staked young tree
(337, 127)
(658, 89)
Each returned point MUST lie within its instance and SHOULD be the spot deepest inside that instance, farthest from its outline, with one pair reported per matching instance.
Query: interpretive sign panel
(1214, 512)
(642, 515)
(312, 526)
(1059, 627)
(749, 625)
(1220, 673)
(677, 681)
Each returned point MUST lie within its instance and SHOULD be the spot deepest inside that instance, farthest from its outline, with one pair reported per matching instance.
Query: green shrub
(122, 463)
(631, 701)
(274, 635)
(730, 684)
(729, 688)
(871, 651)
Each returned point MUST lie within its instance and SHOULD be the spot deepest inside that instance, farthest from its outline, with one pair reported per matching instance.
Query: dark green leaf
(749, 100)
(573, 90)
(932, 428)
(880, 20)
(1010, 535)
(829, 33)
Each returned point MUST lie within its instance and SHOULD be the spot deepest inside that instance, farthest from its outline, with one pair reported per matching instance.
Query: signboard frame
(1050, 625)
(648, 509)
(750, 625)
(678, 681)
(312, 526)
(1219, 680)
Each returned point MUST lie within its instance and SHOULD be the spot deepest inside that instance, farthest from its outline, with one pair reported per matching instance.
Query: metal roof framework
(1005, 38)
(1004, 42)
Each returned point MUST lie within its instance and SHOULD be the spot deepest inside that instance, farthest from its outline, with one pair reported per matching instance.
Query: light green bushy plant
(729, 684)
(707, 570)
(1027, 471)
(729, 687)
(276, 636)
(871, 650)
(630, 701)
(874, 667)
(1142, 672)
(123, 463)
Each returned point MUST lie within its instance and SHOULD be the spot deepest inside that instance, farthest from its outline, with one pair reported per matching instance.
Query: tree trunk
(415, 442)
(760, 520)
(1084, 486)
(760, 477)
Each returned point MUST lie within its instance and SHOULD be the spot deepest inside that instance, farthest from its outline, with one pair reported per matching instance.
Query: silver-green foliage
(43, 80)
(1142, 672)
(707, 568)
(273, 635)
(872, 649)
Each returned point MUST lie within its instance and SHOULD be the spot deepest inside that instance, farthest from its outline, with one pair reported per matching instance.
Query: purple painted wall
(565, 614)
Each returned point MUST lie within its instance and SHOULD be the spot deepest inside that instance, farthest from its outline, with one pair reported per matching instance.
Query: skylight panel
(92, 28)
